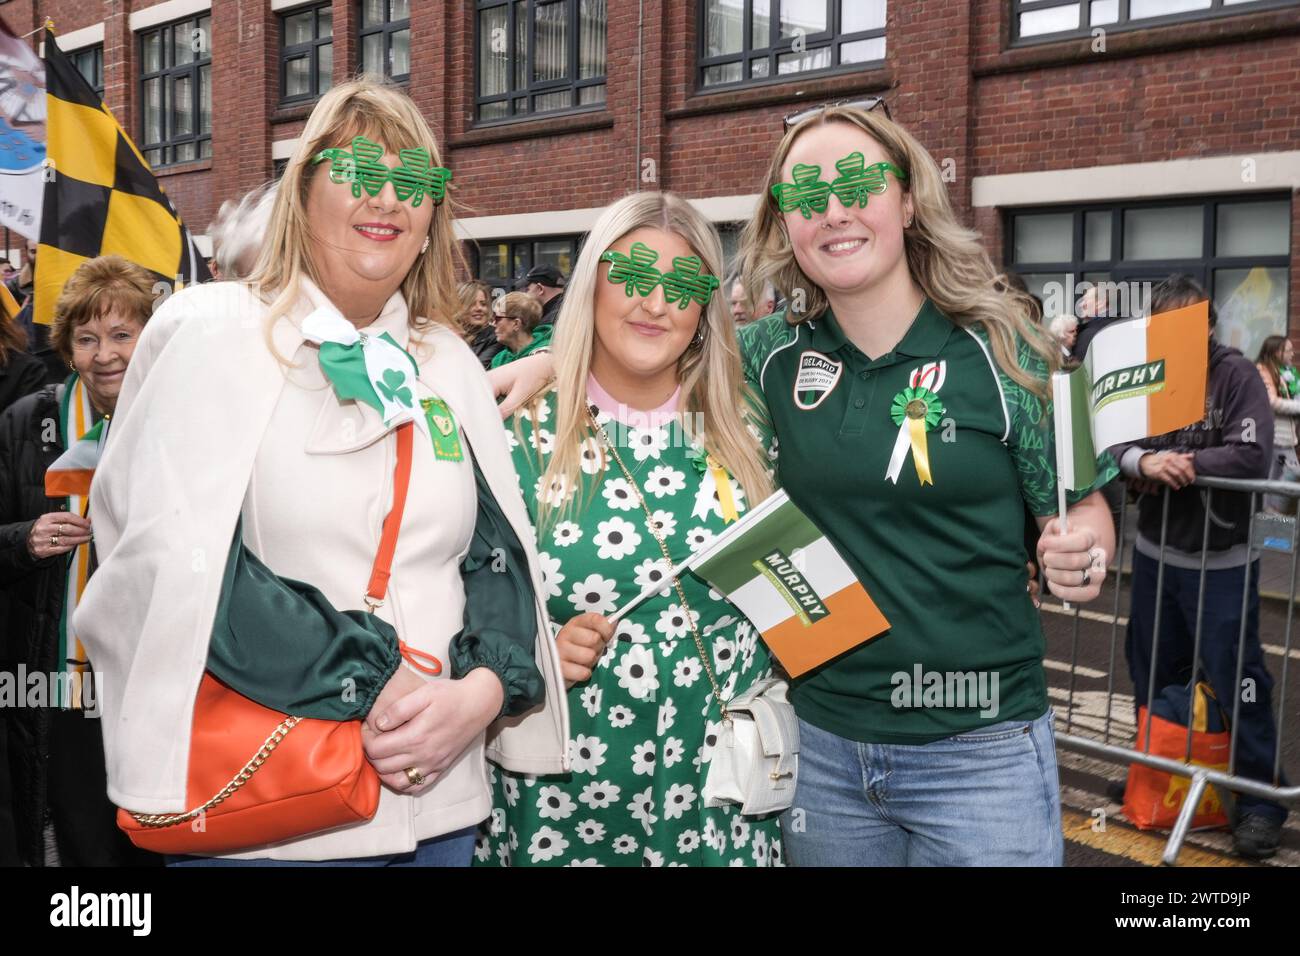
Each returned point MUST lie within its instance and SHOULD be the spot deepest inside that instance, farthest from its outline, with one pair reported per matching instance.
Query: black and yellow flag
(101, 198)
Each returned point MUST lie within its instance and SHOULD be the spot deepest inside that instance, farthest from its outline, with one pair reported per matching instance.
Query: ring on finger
(414, 776)
(54, 541)
(1087, 579)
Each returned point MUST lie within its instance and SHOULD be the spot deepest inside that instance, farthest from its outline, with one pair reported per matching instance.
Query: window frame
(575, 239)
(830, 37)
(97, 50)
(387, 28)
(311, 48)
(529, 93)
(1123, 24)
(167, 74)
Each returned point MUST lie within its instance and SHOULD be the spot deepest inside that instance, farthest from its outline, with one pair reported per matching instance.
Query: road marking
(1118, 839)
(1099, 617)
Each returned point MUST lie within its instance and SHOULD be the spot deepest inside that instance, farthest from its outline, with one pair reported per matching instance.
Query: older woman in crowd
(56, 751)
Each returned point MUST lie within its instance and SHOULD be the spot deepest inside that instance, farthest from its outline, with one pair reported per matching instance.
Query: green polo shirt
(541, 340)
(945, 562)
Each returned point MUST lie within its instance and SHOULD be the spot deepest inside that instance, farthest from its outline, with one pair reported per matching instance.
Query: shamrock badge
(393, 388)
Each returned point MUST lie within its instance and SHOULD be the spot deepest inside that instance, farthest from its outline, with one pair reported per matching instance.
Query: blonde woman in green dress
(643, 449)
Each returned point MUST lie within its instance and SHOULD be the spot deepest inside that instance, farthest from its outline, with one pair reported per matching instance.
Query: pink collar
(632, 417)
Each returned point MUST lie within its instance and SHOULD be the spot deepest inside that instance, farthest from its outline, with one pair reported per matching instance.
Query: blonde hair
(713, 389)
(945, 258)
(521, 306)
(379, 112)
(467, 293)
(98, 286)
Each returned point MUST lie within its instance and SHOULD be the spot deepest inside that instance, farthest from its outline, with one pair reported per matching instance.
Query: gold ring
(54, 541)
(414, 776)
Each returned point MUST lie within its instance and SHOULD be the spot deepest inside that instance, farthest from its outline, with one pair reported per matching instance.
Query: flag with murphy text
(101, 197)
(1141, 377)
(788, 579)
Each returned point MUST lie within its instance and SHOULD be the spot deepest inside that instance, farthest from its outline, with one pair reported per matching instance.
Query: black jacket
(21, 375)
(1234, 440)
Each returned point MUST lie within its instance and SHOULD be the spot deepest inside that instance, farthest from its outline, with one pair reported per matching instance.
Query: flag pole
(1059, 423)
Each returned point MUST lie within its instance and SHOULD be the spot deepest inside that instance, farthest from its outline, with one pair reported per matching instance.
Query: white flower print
(620, 716)
(632, 631)
(647, 442)
(482, 849)
(706, 498)
(667, 711)
(718, 625)
(589, 861)
(625, 844)
(697, 538)
(643, 758)
(667, 648)
(642, 809)
(652, 571)
(514, 839)
(542, 441)
(711, 730)
(775, 852)
(611, 651)
(512, 441)
(652, 858)
(602, 417)
(773, 449)
(671, 751)
(546, 844)
(503, 853)
(595, 593)
(591, 699)
(665, 522)
(566, 533)
(587, 753)
(591, 831)
(739, 832)
(687, 671)
(590, 456)
(736, 863)
(688, 841)
(551, 576)
(724, 654)
(729, 685)
(679, 798)
(554, 493)
(510, 787)
(664, 480)
(543, 410)
(637, 672)
(554, 804)
(760, 848)
(714, 837)
(600, 794)
(673, 622)
(619, 494)
(616, 539)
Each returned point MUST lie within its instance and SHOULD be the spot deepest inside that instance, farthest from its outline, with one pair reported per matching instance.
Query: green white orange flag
(784, 574)
(71, 472)
(1141, 377)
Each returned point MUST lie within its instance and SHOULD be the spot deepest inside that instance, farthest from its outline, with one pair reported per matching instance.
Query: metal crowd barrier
(1200, 776)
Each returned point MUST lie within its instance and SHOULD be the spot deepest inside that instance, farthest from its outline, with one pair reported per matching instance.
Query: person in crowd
(474, 318)
(1277, 369)
(238, 231)
(905, 333)
(20, 372)
(23, 288)
(1094, 313)
(7, 271)
(285, 433)
(619, 488)
(1065, 329)
(741, 309)
(56, 748)
(546, 285)
(1235, 440)
(517, 321)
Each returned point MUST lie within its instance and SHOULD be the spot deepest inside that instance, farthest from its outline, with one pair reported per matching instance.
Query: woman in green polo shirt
(515, 317)
(909, 393)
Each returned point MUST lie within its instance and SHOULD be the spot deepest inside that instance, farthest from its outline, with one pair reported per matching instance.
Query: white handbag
(755, 761)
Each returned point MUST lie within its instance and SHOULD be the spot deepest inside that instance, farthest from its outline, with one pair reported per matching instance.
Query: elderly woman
(269, 430)
(479, 334)
(56, 753)
(515, 318)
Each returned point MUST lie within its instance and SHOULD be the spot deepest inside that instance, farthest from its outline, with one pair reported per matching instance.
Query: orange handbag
(258, 777)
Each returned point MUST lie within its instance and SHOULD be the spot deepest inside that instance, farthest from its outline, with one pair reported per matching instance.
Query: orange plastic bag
(1153, 798)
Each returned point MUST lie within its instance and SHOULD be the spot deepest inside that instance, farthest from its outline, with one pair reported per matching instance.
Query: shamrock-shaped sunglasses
(360, 166)
(855, 183)
(636, 272)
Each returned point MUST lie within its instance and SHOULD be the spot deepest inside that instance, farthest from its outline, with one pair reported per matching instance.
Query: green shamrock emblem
(685, 282)
(634, 271)
(393, 389)
(808, 193)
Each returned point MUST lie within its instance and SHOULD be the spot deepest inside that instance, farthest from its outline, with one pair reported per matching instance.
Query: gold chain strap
(654, 531)
(241, 778)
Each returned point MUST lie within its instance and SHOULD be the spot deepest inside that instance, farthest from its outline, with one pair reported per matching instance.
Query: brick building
(1085, 139)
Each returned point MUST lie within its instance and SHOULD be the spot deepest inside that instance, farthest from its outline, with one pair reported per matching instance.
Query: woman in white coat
(251, 415)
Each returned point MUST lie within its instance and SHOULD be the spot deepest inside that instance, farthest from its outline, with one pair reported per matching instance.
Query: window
(749, 41)
(499, 261)
(1034, 20)
(1238, 248)
(176, 91)
(90, 62)
(306, 53)
(535, 57)
(386, 38)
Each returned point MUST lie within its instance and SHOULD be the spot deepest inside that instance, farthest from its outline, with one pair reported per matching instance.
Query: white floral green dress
(645, 723)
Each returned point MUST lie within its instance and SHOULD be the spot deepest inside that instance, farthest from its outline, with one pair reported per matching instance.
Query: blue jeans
(1220, 627)
(986, 798)
(450, 849)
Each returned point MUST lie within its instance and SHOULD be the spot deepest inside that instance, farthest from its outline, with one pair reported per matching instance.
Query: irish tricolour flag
(1141, 377)
(71, 472)
(784, 575)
